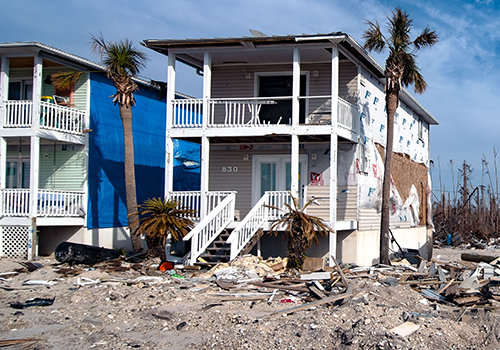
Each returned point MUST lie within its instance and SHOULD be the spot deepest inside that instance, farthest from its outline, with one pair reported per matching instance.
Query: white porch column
(205, 154)
(169, 162)
(3, 162)
(34, 174)
(294, 163)
(205, 143)
(333, 153)
(294, 167)
(37, 91)
(4, 93)
(207, 87)
(4, 86)
(296, 89)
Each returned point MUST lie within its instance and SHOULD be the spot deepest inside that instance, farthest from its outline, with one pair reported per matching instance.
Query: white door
(273, 173)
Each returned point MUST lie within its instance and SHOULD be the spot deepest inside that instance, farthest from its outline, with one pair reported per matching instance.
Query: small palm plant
(161, 218)
(302, 229)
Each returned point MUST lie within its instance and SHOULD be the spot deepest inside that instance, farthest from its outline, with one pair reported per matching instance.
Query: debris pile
(252, 303)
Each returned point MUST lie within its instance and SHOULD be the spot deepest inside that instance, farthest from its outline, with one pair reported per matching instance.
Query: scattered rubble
(252, 303)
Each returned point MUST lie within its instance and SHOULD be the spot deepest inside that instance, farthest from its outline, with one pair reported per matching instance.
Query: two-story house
(61, 152)
(304, 114)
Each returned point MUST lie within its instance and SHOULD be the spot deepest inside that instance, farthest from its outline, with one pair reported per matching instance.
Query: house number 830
(229, 169)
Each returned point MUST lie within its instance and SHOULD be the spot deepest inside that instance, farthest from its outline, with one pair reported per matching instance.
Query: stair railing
(255, 219)
(210, 227)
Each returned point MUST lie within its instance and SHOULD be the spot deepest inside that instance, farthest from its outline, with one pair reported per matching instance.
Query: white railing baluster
(53, 203)
(19, 114)
(187, 113)
(255, 219)
(210, 227)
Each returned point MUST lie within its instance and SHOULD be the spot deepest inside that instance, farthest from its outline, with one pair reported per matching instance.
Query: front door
(273, 173)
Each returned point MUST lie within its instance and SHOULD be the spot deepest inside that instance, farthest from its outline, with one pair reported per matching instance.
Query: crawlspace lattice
(14, 241)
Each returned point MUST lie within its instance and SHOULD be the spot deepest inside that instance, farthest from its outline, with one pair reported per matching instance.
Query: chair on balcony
(61, 101)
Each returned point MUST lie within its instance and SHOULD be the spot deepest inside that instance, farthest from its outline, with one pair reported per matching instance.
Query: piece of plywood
(405, 329)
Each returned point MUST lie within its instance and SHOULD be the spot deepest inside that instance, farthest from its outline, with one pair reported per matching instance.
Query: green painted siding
(62, 169)
(80, 92)
(21, 73)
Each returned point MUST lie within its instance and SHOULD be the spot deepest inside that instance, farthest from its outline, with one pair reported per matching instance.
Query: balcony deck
(245, 113)
(53, 204)
(19, 115)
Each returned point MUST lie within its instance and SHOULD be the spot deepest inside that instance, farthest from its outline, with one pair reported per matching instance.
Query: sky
(462, 70)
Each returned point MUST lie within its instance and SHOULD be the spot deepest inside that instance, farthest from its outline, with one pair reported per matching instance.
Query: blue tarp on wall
(186, 166)
(106, 206)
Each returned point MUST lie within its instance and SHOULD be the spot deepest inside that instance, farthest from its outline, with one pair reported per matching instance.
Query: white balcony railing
(192, 200)
(51, 203)
(60, 203)
(244, 113)
(19, 114)
(61, 118)
(15, 202)
(348, 115)
(188, 113)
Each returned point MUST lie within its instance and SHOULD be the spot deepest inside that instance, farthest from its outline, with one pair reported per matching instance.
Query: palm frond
(65, 80)
(374, 39)
(399, 27)
(426, 39)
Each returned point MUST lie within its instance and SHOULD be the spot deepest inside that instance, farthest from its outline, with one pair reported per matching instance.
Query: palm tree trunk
(391, 101)
(130, 190)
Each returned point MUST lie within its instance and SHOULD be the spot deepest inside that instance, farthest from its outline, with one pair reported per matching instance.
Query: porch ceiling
(245, 56)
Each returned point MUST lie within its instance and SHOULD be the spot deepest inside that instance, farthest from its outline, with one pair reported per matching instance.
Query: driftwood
(478, 257)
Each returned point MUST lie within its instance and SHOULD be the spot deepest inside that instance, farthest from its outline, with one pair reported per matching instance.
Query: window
(21, 90)
(280, 85)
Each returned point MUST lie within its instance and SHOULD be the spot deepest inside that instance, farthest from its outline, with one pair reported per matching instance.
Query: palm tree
(161, 218)
(401, 70)
(123, 62)
(302, 229)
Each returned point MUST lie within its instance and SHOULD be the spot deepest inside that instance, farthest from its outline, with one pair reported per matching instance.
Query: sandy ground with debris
(116, 310)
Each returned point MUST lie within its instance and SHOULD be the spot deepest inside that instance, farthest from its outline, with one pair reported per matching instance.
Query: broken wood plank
(314, 303)
(317, 292)
(288, 288)
(341, 273)
(446, 286)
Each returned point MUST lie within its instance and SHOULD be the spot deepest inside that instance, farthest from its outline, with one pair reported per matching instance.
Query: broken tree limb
(479, 257)
(314, 303)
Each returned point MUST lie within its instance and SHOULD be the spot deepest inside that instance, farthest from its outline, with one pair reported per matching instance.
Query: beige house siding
(347, 198)
(230, 82)
(221, 179)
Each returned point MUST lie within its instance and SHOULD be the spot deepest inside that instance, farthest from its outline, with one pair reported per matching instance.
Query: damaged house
(295, 114)
(61, 152)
